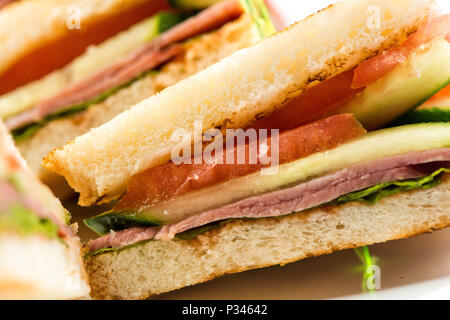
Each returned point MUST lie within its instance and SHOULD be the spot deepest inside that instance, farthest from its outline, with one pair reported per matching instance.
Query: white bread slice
(156, 267)
(33, 266)
(249, 84)
(29, 25)
(199, 53)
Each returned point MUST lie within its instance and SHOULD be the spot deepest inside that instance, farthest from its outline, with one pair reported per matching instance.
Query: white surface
(415, 268)
(426, 290)
(295, 10)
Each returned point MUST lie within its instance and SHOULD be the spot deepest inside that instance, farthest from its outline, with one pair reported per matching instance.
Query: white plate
(415, 268)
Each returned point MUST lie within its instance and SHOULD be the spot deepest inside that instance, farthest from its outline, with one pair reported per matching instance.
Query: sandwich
(40, 257)
(284, 150)
(168, 45)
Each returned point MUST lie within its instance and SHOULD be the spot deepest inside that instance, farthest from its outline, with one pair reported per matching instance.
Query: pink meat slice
(147, 57)
(94, 86)
(208, 19)
(294, 199)
(9, 196)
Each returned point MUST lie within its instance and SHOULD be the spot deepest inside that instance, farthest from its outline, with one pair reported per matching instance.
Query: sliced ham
(148, 57)
(123, 238)
(172, 180)
(293, 199)
(208, 19)
(88, 89)
(10, 196)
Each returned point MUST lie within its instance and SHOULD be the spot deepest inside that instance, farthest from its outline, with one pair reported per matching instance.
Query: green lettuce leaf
(186, 235)
(20, 219)
(167, 20)
(106, 250)
(194, 233)
(261, 16)
(368, 262)
(376, 193)
(104, 223)
(424, 115)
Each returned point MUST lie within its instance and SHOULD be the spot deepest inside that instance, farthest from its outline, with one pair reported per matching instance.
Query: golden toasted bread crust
(198, 54)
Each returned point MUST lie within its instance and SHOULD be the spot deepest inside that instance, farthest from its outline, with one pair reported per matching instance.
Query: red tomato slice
(315, 103)
(318, 101)
(61, 51)
(444, 93)
(373, 69)
(440, 99)
(170, 180)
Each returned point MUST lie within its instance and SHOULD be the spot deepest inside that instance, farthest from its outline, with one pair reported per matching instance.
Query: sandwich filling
(361, 175)
(122, 72)
(336, 95)
(394, 171)
(21, 213)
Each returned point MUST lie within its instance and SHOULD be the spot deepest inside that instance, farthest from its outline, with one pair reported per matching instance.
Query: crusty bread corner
(198, 53)
(250, 83)
(28, 25)
(157, 267)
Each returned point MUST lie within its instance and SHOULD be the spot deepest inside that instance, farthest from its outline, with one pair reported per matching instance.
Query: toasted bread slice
(159, 266)
(199, 53)
(247, 85)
